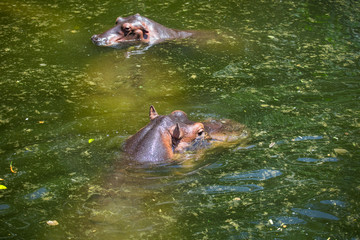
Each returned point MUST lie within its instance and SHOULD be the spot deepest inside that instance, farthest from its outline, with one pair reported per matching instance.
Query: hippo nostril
(96, 40)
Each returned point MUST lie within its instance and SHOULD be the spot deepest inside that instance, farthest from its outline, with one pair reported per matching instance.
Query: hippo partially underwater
(136, 29)
(167, 135)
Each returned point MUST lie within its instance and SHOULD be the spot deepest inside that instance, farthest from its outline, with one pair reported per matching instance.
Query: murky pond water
(289, 70)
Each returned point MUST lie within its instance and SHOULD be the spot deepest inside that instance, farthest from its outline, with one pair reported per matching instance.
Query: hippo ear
(144, 27)
(118, 20)
(177, 133)
(152, 113)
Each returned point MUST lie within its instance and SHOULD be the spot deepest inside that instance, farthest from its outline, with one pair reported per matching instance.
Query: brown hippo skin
(134, 30)
(164, 136)
(221, 133)
(225, 130)
(167, 135)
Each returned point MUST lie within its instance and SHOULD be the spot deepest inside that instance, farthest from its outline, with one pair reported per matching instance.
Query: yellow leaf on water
(341, 151)
(3, 187)
(91, 140)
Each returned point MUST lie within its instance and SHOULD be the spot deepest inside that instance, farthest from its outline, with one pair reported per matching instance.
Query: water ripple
(334, 203)
(304, 138)
(309, 160)
(39, 193)
(314, 213)
(217, 189)
(257, 175)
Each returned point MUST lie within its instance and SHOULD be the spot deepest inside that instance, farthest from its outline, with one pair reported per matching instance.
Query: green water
(289, 70)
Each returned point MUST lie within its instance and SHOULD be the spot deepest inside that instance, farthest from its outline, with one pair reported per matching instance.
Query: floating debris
(12, 169)
(52, 223)
(341, 151)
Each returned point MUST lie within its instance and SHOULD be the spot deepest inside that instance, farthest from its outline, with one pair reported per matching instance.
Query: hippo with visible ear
(167, 135)
(137, 29)
(164, 136)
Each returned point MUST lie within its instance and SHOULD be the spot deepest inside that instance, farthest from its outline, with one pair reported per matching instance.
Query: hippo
(225, 130)
(136, 29)
(166, 135)
(221, 132)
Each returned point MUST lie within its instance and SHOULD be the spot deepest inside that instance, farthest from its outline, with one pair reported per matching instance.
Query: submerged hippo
(167, 135)
(223, 132)
(137, 29)
(164, 136)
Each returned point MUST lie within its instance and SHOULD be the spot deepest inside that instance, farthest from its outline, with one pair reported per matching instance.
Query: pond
(288, 70)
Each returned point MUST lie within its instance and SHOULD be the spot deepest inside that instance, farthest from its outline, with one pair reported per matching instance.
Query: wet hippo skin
(167, 135)
(164, 136)
(137, 29)
(223, 132)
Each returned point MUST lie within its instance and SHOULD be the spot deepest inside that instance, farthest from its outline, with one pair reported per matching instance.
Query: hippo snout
(94, 37)
(107, 40)
(96, 40)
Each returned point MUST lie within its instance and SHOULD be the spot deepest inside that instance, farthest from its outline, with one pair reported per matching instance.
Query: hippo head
(164, 136)
(127, 31)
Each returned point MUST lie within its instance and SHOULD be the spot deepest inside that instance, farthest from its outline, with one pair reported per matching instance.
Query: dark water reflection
(289, 70)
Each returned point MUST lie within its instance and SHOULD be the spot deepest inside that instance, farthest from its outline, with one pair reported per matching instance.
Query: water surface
(289, 70)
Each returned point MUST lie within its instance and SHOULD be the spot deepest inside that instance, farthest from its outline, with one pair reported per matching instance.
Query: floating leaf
(52, 223)
(91, 140)
(340, 151)
(12, 168)
(3, 187)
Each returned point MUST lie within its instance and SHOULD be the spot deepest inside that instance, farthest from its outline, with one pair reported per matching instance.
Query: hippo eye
(200, 132)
